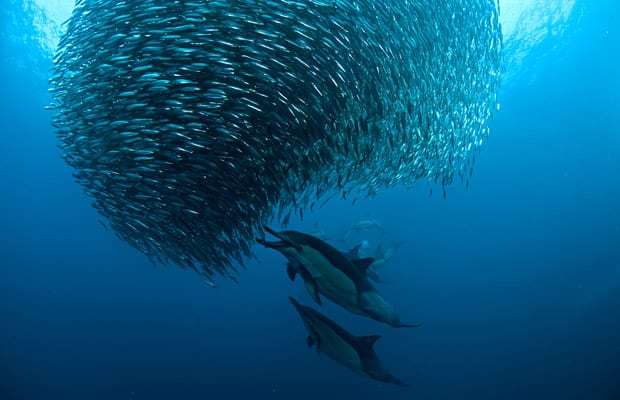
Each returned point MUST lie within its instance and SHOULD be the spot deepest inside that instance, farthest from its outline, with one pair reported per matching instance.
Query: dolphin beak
(284, 241)
(272, 245)
(269, 230)
(294, 302)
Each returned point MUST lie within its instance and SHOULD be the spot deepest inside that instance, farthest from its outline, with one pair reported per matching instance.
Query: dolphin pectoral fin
(291, 272)
(313, 291)
(363, 263)
(314, 338)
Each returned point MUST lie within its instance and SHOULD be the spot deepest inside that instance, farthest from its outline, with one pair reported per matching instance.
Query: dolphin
(327, 271)
(364, 225)
(353, 352)
(388, 253)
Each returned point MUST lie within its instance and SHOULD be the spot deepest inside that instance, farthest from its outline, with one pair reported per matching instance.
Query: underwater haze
(516, 277)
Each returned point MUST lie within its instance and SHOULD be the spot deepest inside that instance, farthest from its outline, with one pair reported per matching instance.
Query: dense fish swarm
(190, 122)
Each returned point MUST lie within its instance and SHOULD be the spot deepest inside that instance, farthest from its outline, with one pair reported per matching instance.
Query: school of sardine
(193, 123)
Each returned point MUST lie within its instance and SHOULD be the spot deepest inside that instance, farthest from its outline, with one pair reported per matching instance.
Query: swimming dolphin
(328, 271)
(387, 254)
(353, 352)
(365, 225)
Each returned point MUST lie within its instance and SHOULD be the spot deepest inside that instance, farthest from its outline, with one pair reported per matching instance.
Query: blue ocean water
(517, 278)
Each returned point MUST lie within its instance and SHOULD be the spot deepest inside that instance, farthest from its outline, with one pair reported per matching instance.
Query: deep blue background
(517, 278)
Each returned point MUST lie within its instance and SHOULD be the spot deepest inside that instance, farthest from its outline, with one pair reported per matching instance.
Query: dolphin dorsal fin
(369, 341)
(353, 253)
(363, 263)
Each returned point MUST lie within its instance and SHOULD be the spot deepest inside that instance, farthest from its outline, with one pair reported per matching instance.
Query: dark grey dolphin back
(335, 257)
